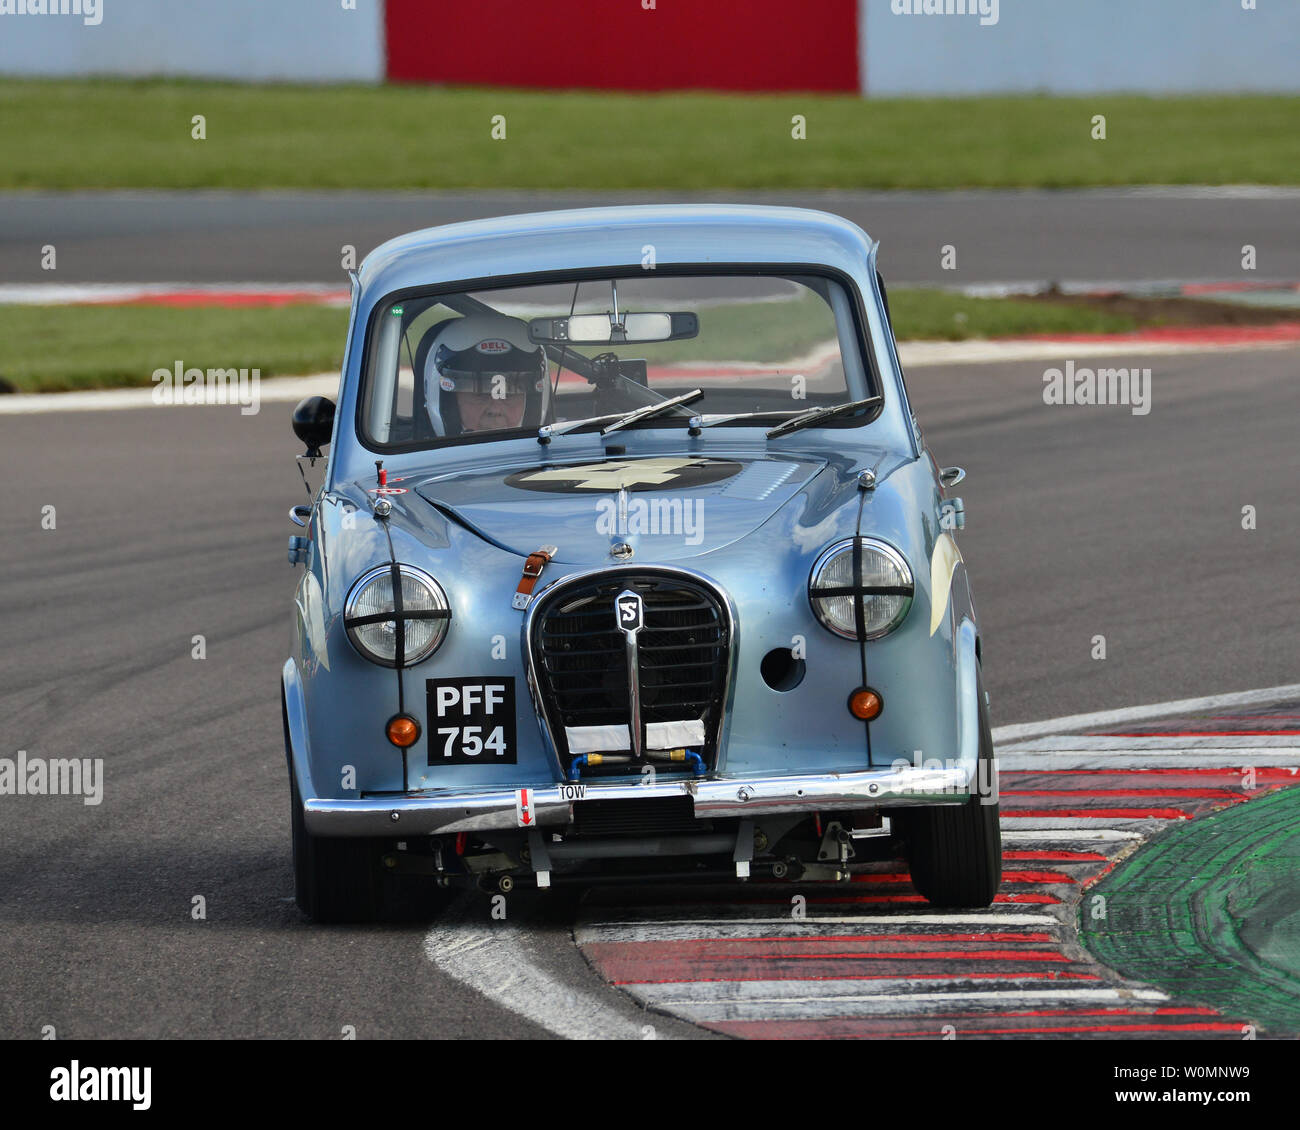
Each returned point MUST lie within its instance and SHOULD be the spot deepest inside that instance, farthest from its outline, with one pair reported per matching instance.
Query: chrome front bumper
(428, 813)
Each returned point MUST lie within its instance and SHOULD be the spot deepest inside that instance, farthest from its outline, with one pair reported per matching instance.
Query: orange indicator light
(865, 703)
(403, 731)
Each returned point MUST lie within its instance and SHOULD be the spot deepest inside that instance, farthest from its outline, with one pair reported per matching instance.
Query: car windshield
(492, 364)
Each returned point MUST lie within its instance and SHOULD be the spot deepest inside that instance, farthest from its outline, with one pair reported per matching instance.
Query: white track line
(917, 354)
(1158, 287)
(785, 926)
(1192, 744)
(817, 1004)
(797, 990)
(271, 390)
(1205, 191)
(887, 922)
(1104, 763)
(493, 958)
(1104, 718)
(1067, 836)
(1071, 823)
(878, 915)
(616, 932)
(61, 294)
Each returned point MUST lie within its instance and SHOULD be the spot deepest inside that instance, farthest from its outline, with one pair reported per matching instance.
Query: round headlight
(390, 633)
(861, 588)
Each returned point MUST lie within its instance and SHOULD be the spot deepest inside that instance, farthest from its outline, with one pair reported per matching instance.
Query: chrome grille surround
(577, 665)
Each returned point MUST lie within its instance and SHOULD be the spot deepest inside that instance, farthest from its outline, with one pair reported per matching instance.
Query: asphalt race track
(171, 524)
(1001, 236)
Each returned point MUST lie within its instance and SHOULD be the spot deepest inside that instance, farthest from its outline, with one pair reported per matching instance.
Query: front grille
(581, 656)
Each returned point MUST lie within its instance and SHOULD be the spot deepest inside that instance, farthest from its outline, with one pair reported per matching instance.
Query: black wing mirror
(313, 423)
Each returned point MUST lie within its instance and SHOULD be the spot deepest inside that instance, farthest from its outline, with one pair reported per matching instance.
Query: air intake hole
(781, 670)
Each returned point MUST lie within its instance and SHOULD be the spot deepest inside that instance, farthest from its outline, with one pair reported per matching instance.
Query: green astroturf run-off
(1210, 912)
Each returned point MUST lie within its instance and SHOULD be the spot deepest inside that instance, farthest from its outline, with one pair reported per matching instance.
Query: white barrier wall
(288, 40)
(1079, 46)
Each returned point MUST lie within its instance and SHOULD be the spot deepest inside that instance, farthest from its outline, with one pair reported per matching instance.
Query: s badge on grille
(631, 612)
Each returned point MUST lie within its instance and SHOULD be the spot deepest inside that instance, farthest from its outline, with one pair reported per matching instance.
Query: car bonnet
(664, 507)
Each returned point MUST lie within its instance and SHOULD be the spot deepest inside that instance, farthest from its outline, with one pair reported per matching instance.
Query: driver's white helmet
(485, 354)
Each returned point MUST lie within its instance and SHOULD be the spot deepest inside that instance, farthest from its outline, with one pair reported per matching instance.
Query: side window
(395, 412)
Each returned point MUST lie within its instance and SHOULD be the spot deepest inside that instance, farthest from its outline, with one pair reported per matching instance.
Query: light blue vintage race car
(630, 562)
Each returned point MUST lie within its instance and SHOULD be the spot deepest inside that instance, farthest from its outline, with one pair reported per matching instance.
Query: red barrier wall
(619, 45)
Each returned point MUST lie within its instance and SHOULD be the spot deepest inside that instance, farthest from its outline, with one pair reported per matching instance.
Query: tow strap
(532, 571)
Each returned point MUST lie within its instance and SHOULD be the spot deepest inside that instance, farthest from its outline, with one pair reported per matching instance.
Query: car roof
(601, 238)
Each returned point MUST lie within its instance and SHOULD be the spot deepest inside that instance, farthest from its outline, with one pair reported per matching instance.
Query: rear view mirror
(606, 329)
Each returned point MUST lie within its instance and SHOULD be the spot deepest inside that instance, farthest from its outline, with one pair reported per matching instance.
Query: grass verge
(60, 348)
(106, 133)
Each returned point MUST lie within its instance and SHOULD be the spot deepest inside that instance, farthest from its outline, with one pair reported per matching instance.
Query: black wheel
(955, 853)
(335, 880)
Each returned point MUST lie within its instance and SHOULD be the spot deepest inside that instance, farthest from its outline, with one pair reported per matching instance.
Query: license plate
(471, 721)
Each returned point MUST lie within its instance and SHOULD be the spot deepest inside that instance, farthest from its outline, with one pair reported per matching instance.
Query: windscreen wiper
(546, 431)
(709, 420)
(820, 415)
(650, 411)
(621, 419)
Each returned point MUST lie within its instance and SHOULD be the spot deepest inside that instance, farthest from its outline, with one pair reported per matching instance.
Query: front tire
(335, 880)
(955, 852)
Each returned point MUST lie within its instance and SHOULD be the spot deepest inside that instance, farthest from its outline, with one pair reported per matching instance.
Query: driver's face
(483, 412)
